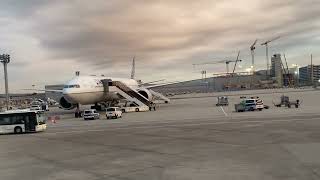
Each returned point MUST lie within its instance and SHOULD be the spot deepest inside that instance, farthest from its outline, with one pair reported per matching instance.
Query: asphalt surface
(187, 139)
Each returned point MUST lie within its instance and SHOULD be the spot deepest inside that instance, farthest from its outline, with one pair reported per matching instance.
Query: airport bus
(22, 121)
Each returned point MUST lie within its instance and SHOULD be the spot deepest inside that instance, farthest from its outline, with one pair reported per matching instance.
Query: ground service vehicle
(285, 101)
(20, 121)
(222, 101)
(39, 105)
(132, 107)
(90, 114)
(259, 104)
(113, 112)
(249, 105)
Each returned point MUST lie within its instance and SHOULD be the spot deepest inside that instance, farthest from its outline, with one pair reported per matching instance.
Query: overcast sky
(49, 40)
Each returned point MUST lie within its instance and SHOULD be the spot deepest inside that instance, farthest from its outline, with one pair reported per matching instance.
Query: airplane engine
(65, 104)
(146, 93)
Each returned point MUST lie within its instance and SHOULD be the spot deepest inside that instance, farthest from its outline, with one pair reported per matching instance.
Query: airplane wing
(150, 82)
(45, 90)
(19, 95)
(159, 85)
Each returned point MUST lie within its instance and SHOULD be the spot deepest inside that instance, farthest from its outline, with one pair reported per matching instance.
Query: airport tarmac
(190, 138)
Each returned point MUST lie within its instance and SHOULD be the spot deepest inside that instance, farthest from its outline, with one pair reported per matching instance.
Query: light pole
(5, 59)
(296, 74)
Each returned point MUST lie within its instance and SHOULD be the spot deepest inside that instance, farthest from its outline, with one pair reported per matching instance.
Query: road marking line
(223, 111)
(181, 125)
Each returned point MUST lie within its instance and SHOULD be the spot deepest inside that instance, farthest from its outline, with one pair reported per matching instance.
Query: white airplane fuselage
(86, 90)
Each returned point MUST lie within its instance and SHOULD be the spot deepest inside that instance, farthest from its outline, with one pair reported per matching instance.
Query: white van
(113, 112)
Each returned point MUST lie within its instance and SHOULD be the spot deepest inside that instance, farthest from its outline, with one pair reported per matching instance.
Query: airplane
(93, 90)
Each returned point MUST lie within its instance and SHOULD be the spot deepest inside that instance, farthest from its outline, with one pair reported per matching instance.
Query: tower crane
(267, 52)
(252, 48)
(217, 62)
(236, 62)
(227, 62)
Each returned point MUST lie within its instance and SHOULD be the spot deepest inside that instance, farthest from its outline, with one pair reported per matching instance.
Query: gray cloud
(21, 9)
(165, 35)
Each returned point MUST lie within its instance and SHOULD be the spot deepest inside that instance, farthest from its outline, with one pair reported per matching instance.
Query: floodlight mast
(5, 59)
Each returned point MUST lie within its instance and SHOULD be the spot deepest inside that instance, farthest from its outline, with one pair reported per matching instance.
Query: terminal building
(216, 84)
(309, 73)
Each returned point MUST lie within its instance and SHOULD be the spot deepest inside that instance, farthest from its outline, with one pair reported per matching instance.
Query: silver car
(91, 114)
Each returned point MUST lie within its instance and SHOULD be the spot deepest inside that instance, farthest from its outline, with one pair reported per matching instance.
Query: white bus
(20, 121)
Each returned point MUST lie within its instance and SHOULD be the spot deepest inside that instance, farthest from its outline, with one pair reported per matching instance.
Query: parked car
(250, 105)
(113, 112)
(90, 114)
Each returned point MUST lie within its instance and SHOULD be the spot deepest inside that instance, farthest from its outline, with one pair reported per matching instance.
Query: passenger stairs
(129, 94)
(160, 96)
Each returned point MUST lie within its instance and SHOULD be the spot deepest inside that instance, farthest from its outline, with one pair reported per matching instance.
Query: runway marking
(223, 111)
(181, 125)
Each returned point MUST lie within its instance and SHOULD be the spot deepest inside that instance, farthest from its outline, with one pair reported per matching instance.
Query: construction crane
(252, 48)
(227, 62)
(267, 52)
(208, 63)
(204, 72)
(236, 62)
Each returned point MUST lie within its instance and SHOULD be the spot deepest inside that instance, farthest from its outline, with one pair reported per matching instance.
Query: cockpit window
(72, 86)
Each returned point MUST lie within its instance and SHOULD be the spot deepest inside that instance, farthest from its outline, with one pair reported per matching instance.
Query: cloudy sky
(49, 40)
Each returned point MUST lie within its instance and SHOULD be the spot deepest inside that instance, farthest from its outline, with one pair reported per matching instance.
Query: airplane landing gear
(98, 107)
(78, 113)
(103, 105)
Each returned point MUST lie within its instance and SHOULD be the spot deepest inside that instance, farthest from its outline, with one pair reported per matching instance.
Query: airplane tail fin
(133, 70)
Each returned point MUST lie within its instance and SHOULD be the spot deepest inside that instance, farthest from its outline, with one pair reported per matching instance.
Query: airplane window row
(72, 86)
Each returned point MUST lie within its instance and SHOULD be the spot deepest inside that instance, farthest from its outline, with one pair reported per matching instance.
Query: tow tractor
(222, 101)
(285, 101)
